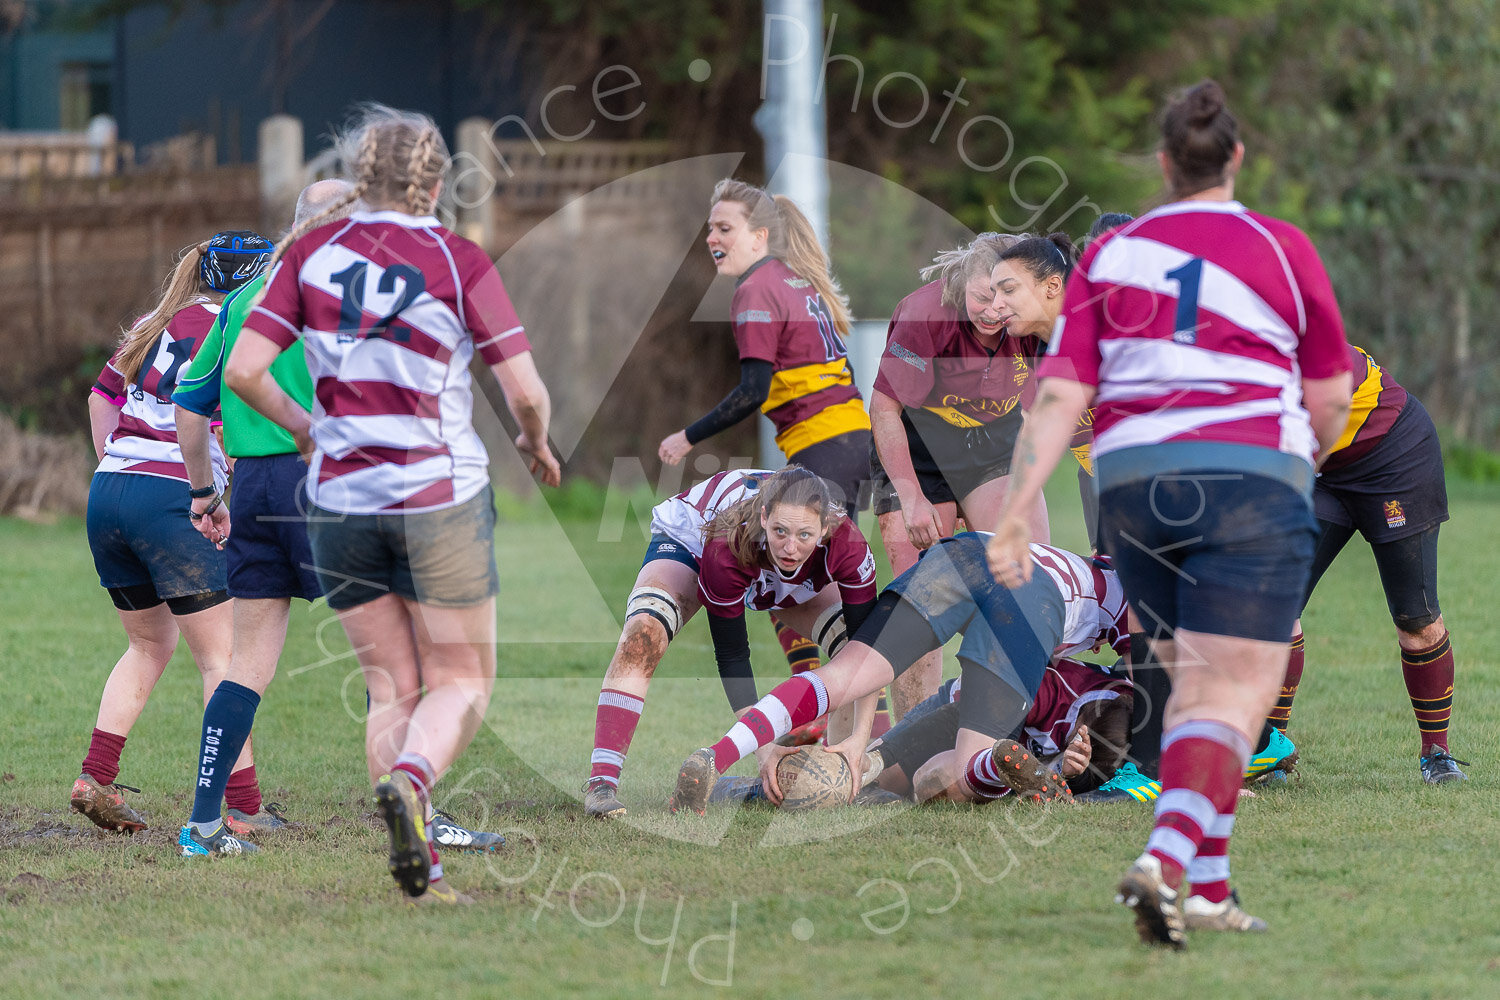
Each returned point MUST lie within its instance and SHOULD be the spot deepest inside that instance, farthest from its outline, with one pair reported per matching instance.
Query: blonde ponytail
(800, 250)
(180, 289)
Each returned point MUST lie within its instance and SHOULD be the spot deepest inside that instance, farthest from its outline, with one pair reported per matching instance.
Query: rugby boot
(270, 819)
(694, 783)
(439, 893)
(221, 843)
(397, 802)
(1279, 754)
(601, 799)
(446, 832)
(1158, 921)
(1438, 766)
(1201, 915)
(104, 805)
(1029, 778)
(1127, 785)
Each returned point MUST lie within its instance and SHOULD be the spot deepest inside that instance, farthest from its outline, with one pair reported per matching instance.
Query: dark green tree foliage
(1370, 124)
(1016, 115)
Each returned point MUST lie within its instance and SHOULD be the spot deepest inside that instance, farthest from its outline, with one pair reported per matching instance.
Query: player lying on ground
(1009, 637)
(1078, 728)
(739, 540)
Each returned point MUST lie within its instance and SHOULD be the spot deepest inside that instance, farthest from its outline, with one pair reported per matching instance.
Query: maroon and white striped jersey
(1093, 601)
(1067, 686)
(683, 517)
(145, 441)
(727, 588)
(1198, 322)
(392, 307)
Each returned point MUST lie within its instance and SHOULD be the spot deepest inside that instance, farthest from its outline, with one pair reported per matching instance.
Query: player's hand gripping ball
(813, 779)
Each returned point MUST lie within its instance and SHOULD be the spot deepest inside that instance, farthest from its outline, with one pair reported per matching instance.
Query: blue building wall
(215, 71)
(31, 64)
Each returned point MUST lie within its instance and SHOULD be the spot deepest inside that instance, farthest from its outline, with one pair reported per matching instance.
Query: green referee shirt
(200, 386)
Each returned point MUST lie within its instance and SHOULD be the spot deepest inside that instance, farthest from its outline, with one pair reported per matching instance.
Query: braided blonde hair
(791, 239)
(180, 289)
(396, 158)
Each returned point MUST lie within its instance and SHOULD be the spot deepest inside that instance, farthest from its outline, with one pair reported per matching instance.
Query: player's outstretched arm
(889, 432)
(527, 399)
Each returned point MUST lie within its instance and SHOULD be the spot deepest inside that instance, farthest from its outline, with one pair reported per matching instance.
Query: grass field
(1374, 884)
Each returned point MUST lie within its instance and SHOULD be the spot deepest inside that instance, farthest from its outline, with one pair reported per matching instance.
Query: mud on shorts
(441, 557)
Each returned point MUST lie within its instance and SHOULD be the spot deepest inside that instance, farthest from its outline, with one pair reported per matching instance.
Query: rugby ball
(812, 778)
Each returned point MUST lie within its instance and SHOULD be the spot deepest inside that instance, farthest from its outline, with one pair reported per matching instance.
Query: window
(85, 92)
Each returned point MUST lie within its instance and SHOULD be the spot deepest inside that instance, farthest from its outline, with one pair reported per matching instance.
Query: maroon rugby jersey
(934, 360)
(726, 588)
(1378, 401)
(780, 317)
(1067, 685)
(145, 441)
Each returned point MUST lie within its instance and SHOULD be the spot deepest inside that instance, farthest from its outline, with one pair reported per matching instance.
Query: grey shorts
(445, 558)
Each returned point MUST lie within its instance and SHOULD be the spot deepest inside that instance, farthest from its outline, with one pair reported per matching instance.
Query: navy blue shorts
(664, 546)
(268, 552)
(1010, 633)
(1215, 551)
(140, 534)
(1395, 491)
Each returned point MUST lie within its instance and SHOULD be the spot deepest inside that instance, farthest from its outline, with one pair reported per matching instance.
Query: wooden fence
(80, 256)
(539, 177)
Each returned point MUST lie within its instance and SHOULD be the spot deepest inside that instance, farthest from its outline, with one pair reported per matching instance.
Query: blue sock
(226, 726)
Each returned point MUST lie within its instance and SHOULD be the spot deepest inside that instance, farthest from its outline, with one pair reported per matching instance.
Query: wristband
(195, 518)
(202, 492)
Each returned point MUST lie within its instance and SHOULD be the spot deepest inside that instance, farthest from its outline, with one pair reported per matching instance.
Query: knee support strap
(657, 603)
(829, 630)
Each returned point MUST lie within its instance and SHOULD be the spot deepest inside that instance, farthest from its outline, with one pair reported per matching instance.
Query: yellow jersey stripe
(827, 423)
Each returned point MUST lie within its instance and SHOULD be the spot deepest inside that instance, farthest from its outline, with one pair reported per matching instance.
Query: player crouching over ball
(1009, 637)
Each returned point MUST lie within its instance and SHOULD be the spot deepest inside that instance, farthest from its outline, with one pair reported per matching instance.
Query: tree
(1369, 124)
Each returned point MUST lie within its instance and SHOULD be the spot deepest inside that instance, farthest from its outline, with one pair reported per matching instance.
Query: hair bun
(1205, 103)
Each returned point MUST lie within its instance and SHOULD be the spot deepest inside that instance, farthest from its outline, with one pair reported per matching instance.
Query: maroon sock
(1202, 764)
(1209, 870)
(1281, 715)
(984, 777)
(614, 726)
(103, 762)
(243, 791)
(417, 768)
(1429, 684)
(790, 704)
